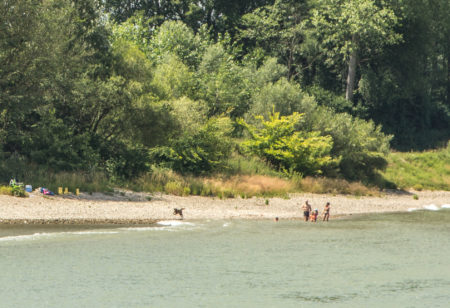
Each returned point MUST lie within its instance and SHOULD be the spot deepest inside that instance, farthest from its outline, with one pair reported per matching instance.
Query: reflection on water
(391, 260)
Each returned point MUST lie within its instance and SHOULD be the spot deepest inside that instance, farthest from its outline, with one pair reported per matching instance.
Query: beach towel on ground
(47, 192)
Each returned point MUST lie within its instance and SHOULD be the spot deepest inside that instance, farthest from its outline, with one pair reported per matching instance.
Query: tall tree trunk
(448, 75)
(352, 70)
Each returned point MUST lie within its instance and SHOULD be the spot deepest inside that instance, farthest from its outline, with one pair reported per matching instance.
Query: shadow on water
(419, 216)
(320, 299)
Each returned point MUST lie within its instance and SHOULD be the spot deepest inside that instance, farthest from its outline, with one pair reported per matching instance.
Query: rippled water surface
(390, 260)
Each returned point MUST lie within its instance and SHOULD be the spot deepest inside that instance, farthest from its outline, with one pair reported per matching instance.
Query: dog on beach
(178, 212)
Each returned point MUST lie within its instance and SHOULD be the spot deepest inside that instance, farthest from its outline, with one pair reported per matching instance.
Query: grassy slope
(420, 170)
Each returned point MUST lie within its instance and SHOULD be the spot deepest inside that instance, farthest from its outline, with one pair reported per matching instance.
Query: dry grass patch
(253, 185)
(245, 186)
(336, 186)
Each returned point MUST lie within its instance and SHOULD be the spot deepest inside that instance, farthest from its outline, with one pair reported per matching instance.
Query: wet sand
(141, 208)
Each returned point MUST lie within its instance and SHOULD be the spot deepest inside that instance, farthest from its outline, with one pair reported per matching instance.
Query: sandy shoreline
(140, 208)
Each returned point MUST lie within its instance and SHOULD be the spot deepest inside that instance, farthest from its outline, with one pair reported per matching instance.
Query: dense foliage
(311, 87)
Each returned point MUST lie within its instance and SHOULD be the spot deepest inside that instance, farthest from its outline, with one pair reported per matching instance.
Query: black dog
(178, 212)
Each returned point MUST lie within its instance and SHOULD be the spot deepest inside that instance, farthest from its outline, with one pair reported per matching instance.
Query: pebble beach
(141, 208)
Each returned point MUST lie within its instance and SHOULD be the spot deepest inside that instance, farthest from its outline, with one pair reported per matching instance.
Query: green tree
(25, 68)
(275, 31)
(176, 38)
(173, 79)
(350, 30)
(223, 84)
(61, 100)
(404, 88)
(200, 146)
(219, 15)
(282, 96)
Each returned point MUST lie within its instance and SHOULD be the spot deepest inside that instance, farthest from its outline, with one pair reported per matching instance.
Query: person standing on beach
(306, 210)
(326, 212)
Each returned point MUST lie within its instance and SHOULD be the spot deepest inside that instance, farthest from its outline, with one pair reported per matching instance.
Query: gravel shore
(139, 208)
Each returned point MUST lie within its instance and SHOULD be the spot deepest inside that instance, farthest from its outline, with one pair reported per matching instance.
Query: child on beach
(326, 212)
(314, 215)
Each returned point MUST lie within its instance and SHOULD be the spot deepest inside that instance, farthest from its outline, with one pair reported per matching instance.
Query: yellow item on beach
(60, 191)
(66, 190)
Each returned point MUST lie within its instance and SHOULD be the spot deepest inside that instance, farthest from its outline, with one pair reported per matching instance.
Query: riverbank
(141, 208)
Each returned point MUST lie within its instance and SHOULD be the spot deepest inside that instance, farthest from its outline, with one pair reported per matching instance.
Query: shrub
(186, 191)
(124, 162)
(278, 143)
(17, 191)
(6, 190)
(418, 187)
(200, 151)
(174, 188)
(249, 165)
(361, 145)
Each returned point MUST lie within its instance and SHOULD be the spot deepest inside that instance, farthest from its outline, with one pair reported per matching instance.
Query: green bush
(239, 164)
(361, 145)
(125, 162)
(278, 143)
(174, 188)
(186, 191)
(18, 191)
(197, 152)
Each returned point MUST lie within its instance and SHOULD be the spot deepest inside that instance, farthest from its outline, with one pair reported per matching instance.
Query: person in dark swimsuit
(326, 212)
(306, 210)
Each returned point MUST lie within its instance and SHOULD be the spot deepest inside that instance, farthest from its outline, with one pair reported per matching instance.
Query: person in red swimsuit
(314, 215)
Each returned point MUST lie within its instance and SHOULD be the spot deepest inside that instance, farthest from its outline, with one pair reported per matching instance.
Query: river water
(387, 260)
